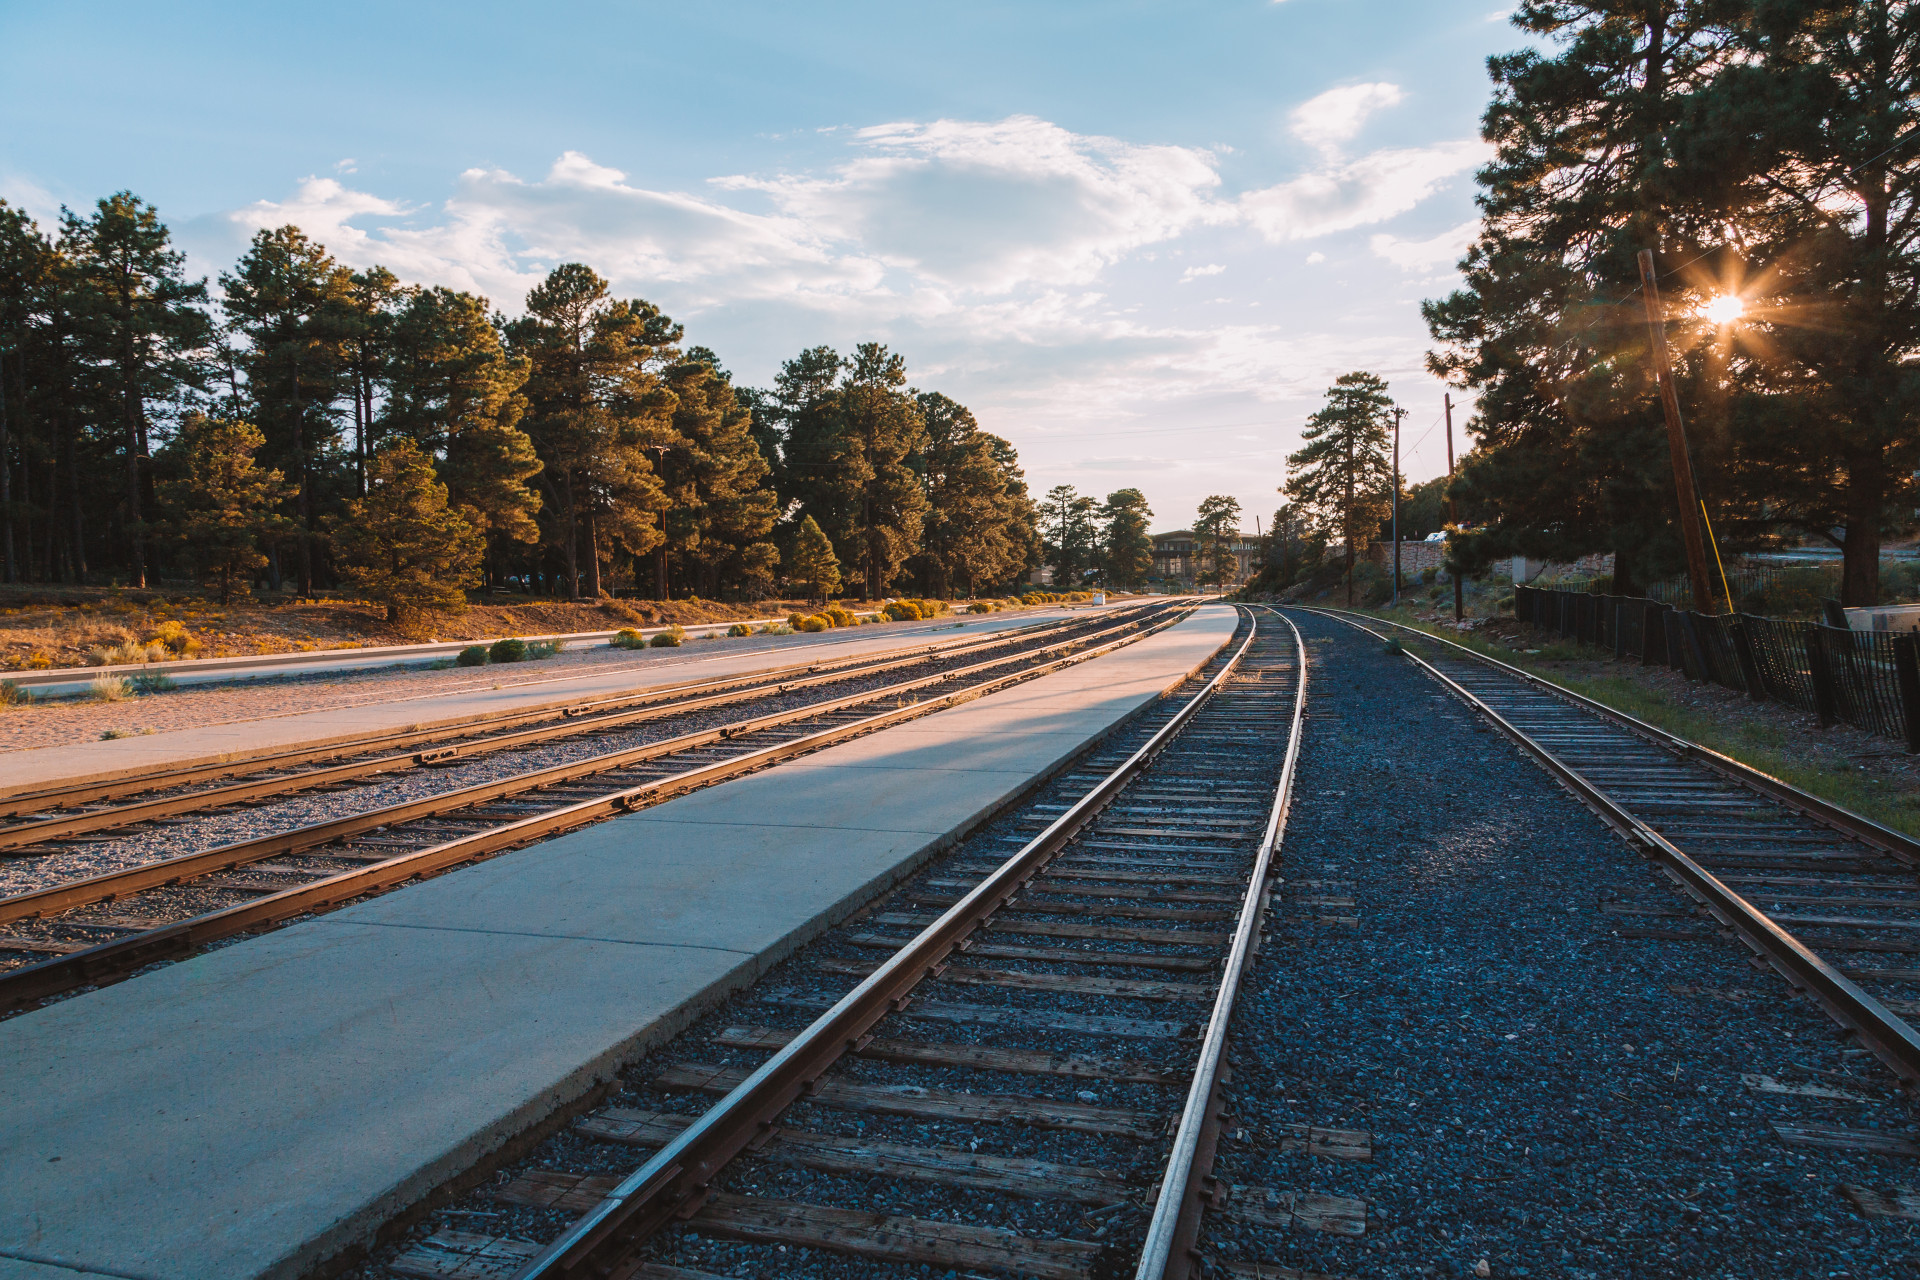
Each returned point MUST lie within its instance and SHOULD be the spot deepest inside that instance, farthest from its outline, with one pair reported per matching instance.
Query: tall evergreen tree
(1070, 534)
(286, 297)
(1216, 527)
(142, 330)
(979, 522)
(596, 410)
(369, 307)
(812, 566)
(1342, 476)
(1126, 548)
(719, 511)
(452, 388)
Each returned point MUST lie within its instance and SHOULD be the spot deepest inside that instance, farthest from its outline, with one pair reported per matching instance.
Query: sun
(1723, 308)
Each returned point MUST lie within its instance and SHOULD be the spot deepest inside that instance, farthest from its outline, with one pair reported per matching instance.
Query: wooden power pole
(1453, 508)
(1696, 547)
(1397, 415)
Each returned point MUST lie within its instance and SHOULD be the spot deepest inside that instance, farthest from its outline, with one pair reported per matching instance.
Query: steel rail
(677, 1180)
(1896, 844)
(1173, 1229)
(135, 781)
(1878, 1028)
(620, 712)
(109, 885)
(118, 957)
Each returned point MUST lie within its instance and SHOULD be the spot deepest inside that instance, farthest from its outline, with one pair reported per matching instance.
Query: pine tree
(141, 328)
(1216, 528)
(286, 296)
(223, 502)
(402, 544)
(1343, 477)
(846, 447)
(596, 412)
(1126, 548)
(453, 389)
(979, 522)
(813, 566)
(719, 510)
(1067, 526)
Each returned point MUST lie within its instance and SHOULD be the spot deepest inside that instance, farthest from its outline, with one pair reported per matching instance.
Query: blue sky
(1138, 239)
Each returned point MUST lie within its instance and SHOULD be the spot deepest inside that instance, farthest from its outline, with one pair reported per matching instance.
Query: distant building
(1176, 565)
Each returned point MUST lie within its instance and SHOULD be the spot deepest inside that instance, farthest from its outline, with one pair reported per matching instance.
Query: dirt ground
(42, 627)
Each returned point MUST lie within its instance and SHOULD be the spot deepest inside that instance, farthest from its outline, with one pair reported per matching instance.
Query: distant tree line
(316, 426)
(1768, 154)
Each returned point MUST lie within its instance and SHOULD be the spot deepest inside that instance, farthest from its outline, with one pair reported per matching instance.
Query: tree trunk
(591, 527)
(572, 543)
(660, 591)
(77, 553)
(1624, 582)
(306, 509)
(1860, 550)
(130, 415)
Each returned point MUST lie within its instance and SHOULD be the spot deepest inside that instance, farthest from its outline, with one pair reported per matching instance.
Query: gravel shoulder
(1545, 1097)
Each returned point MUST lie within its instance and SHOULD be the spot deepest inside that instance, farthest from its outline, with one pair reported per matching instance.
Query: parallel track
(1824, 896)
(59, 814)
(1079, 964)
(324, 864)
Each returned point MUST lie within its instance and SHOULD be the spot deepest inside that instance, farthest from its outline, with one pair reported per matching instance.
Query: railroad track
(55, 815)
(101, 928)
(1827, 898)
(1025, 1078)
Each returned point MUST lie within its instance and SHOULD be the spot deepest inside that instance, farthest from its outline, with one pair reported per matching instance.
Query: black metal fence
(1868, 679)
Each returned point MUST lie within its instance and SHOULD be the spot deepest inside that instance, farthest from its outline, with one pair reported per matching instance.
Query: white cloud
(1442, 250)
(1315, 258)
(1337, 115)
(1194, 273)
(1371, 189)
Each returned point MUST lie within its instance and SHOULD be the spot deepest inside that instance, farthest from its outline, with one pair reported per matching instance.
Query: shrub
(671, 638)
(158, 682)
(474, 655)
(38, 661)
(776, 629)
(739, 629)
(1505, 605)
(839, 616)
(511, 649)
(12, 695)
(793, 620)
(816, 622)
(979, 606)
(544, 648)
(628, 638)
(111, 734)
(173, 634)
(109, 689)
(902, 611)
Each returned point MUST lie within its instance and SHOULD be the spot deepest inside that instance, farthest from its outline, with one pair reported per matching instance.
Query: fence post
(1653, 634)
(1906, 670)
(1690, 628)
(1824, 706)
(1743, 650)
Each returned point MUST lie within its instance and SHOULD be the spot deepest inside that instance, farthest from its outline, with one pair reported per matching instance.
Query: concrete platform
(44, 767)
(257, 1109)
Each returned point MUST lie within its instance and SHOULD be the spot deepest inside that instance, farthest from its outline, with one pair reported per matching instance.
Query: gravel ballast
(1546, 1097)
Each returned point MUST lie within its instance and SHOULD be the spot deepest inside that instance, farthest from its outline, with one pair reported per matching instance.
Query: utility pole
(1696, 547)
(1453, 508)
(1397, 415)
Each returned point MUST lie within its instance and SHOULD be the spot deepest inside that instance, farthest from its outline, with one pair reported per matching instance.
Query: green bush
(739, 629)
(544, 648)
(979, 606)
(812, 622)
(158, 682)
(12, 695)
(776, 629)
(901, 611)
(474, 655)
(628, 638)
(1505, 605)
(511, 649)
(671, 638)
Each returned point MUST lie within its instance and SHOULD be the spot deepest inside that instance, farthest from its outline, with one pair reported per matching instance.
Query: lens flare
(1724, 308)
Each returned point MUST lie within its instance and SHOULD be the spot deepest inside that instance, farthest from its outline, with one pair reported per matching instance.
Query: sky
(1139, 240)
